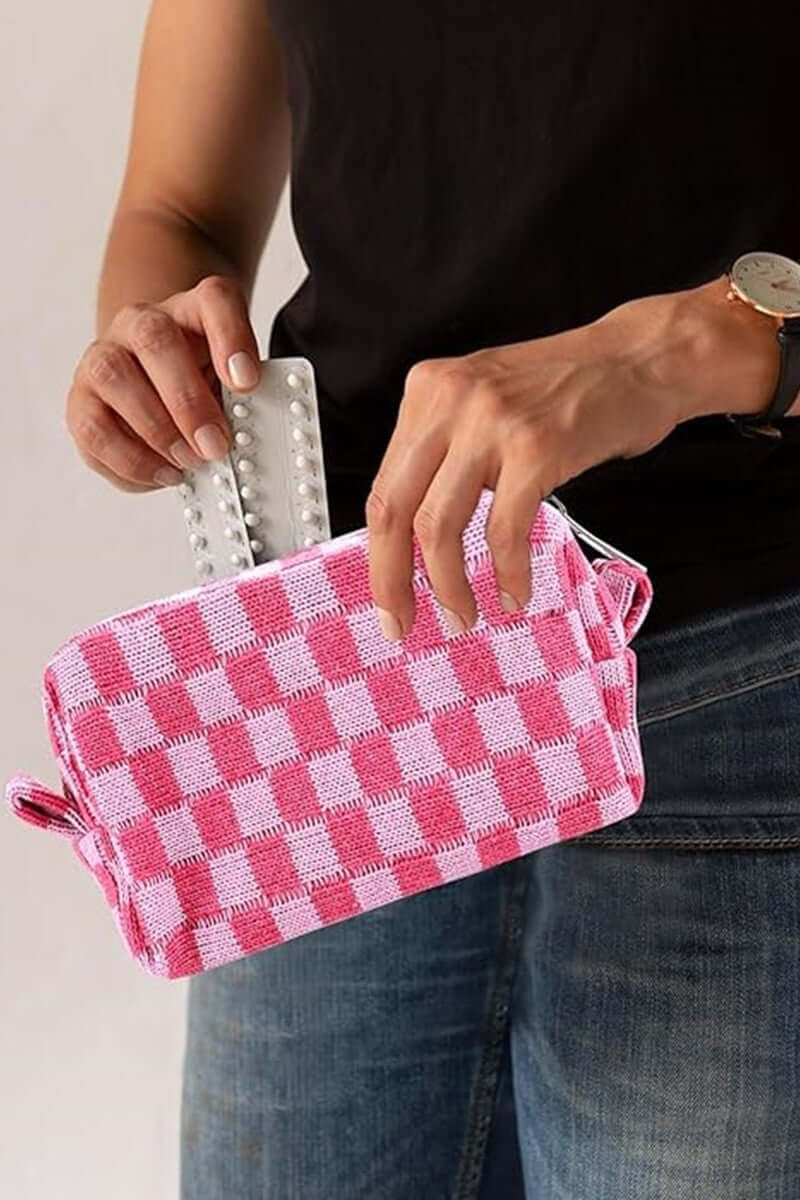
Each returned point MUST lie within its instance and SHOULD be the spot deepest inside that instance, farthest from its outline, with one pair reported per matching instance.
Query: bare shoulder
(210, 126)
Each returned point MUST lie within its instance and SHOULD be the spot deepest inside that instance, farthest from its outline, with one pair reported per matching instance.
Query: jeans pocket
(722, 775)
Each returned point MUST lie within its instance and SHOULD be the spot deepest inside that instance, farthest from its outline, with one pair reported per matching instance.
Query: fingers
(439, 523)
(217, 309)
(145, 399)
(457, 432)
(102, 439)
(122, 485)
(513, 511)
(438, 519)
(161, 347)
(109, 371)
(396, 491)
(426, 487)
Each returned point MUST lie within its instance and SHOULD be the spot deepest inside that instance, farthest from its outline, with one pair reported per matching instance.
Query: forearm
(151, 254)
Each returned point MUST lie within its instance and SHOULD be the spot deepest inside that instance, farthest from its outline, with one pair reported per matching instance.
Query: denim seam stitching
(701, 699)
(485, 1087)
(689, 843)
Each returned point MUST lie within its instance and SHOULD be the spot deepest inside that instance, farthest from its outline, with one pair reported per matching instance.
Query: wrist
(708, 353)
(754, 346)
(150, 255)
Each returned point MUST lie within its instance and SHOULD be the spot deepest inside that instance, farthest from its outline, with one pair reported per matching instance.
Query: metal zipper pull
(591, 539)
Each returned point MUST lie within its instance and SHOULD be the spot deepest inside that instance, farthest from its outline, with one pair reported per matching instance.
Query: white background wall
(90, 1046)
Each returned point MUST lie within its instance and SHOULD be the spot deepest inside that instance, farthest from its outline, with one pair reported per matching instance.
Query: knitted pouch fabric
(250, 760)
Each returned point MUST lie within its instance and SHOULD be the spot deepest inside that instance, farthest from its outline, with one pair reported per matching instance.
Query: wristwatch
(771, 283)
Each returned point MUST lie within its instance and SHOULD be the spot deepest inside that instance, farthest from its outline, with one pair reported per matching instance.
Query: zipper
(592, 539)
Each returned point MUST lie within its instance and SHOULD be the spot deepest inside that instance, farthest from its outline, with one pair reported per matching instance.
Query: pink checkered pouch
(250, 760)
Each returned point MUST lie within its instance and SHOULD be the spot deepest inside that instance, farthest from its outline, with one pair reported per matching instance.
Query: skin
(522, 419)
(208, 157)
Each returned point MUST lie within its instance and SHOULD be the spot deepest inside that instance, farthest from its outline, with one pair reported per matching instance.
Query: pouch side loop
(631, 590)
(33, 802)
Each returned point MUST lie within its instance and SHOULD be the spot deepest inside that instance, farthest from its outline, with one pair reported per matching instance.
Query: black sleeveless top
(467, 174)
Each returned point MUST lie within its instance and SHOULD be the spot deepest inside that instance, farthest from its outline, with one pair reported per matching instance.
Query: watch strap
(787, 388)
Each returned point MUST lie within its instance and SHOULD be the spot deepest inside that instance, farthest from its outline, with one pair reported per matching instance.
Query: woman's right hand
(144, 401)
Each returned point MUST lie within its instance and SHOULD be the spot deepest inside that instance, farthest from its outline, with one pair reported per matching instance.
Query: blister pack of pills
(266, 497)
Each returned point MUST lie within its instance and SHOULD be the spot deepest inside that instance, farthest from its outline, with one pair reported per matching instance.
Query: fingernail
(212, 441)
(508, 602)
(242, 370)
(390, 626)
(454, 621)
(167, 476)
(184, 456)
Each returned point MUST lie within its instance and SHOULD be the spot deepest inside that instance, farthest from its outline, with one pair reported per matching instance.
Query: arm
(207, 159)
(523, 419)
(208, 153)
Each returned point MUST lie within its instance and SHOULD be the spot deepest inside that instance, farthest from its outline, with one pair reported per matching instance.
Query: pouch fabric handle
(631, 592)
(35, 803)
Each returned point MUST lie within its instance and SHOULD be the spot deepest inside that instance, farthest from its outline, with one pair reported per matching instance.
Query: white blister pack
(267, 496)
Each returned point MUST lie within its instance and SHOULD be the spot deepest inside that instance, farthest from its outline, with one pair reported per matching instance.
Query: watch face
(770, 282)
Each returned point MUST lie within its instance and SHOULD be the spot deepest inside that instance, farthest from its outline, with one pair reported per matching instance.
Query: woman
(517, 222)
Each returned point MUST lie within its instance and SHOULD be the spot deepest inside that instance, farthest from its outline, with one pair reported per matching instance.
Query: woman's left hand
(522, 419)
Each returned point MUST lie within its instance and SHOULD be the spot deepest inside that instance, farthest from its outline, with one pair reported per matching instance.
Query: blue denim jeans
(611, 1018)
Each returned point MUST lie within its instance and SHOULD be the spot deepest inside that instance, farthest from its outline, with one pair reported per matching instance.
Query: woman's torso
(465, 175)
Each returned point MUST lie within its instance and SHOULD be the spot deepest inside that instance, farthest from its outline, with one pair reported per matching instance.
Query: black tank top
(467, 174)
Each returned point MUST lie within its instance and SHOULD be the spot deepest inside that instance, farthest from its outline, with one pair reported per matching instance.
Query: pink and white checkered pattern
(251, 759)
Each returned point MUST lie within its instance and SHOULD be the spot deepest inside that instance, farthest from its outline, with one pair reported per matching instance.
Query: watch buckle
(751, 429)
